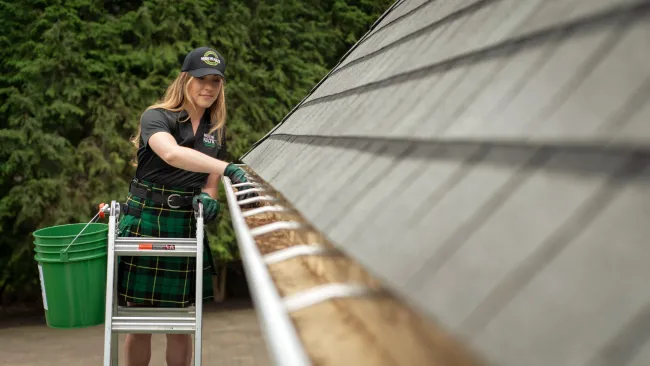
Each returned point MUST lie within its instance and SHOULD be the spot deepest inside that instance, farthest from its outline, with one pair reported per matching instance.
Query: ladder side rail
(198, 330)
(111, 275)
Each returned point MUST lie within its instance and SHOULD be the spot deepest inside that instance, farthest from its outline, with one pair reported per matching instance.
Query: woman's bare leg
(137, 348)
(179, 349)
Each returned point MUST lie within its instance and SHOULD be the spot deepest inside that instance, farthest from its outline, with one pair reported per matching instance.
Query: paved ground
(231, 337)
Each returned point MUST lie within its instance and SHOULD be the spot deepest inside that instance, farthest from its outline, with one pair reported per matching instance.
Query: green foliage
(76, 75)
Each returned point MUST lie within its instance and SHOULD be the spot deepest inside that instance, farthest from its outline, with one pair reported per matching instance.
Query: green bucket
(74, 291)
(70, 254)
(62, 238)
(73, 279)
(101, 243)
(64, 234)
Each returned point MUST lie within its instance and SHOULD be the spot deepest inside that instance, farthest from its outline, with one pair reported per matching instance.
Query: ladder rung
(162, 250)
(173, 319)
(143, 311)
(154, 323)
(146, 239)
(166, 328)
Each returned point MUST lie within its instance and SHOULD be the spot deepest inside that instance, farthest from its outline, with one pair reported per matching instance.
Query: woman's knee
(179, 349)
(140, 337)
(179, 338)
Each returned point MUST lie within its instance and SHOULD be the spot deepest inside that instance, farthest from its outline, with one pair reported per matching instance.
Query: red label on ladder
(145, 246)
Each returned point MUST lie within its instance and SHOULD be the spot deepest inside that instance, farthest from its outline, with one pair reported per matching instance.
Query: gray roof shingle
(489, 161)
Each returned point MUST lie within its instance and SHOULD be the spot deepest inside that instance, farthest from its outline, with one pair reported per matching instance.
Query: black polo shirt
(152, 168)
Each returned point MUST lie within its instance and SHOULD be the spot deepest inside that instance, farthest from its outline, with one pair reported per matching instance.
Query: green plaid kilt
(161, 281)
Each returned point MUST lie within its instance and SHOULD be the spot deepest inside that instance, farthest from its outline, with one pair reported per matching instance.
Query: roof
(489, 161)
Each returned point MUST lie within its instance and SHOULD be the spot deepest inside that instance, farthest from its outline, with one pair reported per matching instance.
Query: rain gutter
(282, 340)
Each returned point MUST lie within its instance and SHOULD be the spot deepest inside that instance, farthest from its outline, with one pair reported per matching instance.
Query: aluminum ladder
(121, 319)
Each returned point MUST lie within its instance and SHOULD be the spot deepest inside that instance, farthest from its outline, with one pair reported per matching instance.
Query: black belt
(173, 200)
(125, 209)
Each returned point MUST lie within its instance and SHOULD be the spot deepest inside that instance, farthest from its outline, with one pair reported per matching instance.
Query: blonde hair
(175, 100)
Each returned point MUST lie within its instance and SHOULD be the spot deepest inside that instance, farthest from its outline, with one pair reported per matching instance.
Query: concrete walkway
(231, 337)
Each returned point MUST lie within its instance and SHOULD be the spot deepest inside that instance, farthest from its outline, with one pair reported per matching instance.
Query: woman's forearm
(195, 161)
(212, 185)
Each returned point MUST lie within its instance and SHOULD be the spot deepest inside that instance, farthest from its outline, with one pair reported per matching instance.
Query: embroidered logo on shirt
(208, 140)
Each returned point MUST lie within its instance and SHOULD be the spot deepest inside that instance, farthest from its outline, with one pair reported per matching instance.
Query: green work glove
(237, 175)
(211, 206)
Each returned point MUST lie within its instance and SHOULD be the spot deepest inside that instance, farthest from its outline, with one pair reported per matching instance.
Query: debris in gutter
(364, 330)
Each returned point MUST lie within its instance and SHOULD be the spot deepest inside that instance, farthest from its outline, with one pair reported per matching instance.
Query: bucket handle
(64, 252)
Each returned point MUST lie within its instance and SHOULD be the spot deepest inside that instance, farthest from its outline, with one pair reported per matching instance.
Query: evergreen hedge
(76, 75)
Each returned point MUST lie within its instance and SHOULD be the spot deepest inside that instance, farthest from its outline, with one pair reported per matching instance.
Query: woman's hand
(237, 175)
(211, 207)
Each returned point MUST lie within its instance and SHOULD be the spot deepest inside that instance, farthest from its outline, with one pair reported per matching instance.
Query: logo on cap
(211, 58)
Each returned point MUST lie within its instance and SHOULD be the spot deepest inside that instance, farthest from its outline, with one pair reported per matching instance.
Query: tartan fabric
(161, 281)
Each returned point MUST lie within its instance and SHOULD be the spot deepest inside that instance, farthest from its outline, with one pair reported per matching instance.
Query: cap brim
(199, 73)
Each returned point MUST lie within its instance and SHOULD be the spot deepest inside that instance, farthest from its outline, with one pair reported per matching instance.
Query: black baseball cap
(204, 61)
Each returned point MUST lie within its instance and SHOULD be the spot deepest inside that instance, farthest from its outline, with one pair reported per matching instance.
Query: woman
(181, 146)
